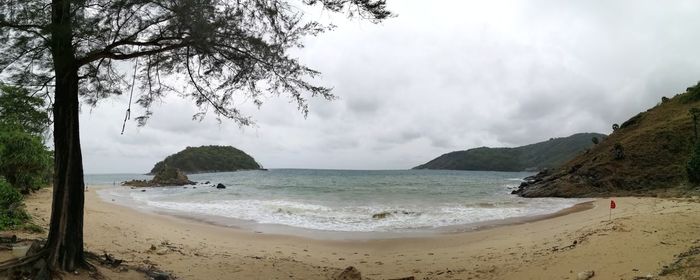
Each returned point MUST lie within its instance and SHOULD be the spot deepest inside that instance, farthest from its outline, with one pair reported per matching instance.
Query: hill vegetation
(26, 164)
(208, 159)
(533, 157)
(649, 154)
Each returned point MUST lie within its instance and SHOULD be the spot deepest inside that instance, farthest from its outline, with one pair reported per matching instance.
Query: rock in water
(585, 275)
(381, 215)
(220, 186)
(168, 176)
(350, 273)
(137, 183)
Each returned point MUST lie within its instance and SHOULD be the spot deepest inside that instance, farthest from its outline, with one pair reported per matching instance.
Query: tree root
(35, 265)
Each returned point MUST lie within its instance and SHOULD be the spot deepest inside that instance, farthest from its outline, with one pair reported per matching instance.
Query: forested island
(206, 159)
(533, 157)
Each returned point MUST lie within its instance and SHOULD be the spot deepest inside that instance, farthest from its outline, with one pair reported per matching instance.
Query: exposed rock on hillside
(645, 155)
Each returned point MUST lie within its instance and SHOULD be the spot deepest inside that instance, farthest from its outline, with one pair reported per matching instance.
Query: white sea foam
(360, 218)
(348, 200)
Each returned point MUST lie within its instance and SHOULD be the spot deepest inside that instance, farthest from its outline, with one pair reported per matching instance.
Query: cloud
(440, 77)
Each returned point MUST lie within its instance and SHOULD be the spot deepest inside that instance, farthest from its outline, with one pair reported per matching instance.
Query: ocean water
(340, 200)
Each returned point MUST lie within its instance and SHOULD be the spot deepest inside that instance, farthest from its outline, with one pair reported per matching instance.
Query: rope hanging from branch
(131, 95)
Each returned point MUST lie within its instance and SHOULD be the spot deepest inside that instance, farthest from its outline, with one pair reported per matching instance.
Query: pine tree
(224, 50)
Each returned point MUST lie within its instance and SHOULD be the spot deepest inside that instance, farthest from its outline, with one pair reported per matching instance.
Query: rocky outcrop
(170, 176)
(167, 176)
(138, 183)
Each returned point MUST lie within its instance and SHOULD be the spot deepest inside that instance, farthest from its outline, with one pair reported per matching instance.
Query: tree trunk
(65, 243)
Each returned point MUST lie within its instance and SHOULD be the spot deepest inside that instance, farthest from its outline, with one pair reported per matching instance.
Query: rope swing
(131, 95)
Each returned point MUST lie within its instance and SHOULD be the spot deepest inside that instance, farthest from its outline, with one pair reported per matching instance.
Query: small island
(206, 159)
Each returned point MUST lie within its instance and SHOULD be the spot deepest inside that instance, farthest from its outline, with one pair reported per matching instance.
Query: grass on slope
(656, 145)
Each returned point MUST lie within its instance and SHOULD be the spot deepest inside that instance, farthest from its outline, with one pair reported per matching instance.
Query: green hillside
(647, 155)
(532, 157)
(208, 159)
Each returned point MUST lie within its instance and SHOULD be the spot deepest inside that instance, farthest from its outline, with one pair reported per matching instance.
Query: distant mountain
(533, 157)
(646, 155)
(208, 159)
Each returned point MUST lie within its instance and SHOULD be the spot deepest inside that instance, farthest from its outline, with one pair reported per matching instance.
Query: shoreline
(318, 234)
(578, 207)
(644, 235)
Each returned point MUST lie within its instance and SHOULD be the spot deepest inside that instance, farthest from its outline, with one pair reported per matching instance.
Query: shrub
(693, 166)
(691, 94)
(24, 161)
(615, 127)
(618, 151)
(694, 114)
(11, 212)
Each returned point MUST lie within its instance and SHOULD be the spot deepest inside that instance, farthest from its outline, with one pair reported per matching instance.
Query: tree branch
(29, 28)
(107, 53)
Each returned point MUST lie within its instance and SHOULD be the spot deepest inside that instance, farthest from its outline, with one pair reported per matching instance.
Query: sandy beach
(644, 235)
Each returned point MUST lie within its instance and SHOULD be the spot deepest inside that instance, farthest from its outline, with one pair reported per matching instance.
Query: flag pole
(612, 206)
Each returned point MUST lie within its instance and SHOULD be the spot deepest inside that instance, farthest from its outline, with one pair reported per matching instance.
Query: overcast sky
(442, 76)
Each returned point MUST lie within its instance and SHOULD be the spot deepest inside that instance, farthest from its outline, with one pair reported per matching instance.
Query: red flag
(612, 204)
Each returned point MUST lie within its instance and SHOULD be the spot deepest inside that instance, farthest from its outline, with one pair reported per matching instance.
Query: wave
(353, 218)
(357, 201)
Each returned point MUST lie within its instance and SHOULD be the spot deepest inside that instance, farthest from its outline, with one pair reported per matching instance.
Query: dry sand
(644, 235)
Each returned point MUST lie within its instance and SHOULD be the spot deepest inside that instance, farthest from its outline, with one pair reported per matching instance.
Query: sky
(441, 76)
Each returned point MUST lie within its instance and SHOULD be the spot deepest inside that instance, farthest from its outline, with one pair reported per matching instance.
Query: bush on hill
(693, 166)
(691, 94)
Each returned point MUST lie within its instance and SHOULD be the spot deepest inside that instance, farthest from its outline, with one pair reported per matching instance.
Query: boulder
(585, 275)
(220, 186)
(350, 273)
(158, 275)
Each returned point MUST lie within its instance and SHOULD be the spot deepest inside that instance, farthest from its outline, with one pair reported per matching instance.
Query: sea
(304, 201)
